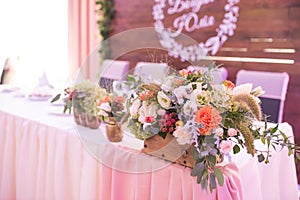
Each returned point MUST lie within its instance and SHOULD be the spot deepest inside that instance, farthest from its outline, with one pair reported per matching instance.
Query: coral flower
(209, 118)
(105, 100)
(229, 84)
(146, 95)
(184, 72)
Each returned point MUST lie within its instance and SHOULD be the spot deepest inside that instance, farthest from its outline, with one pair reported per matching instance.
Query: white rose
(200, 97)
(189, 108)
(147, 111)
(182, 92)
(134, 108)
(163, 100)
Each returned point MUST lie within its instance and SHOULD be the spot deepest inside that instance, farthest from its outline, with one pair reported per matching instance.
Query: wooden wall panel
(273, 19)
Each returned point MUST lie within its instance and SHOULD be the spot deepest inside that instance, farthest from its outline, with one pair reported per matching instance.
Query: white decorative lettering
(191, 22)
(177, 6)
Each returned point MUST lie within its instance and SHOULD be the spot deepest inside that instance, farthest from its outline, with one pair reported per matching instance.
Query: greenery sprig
(106, 14)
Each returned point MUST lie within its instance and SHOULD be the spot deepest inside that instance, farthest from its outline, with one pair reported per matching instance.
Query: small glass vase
(113, 131)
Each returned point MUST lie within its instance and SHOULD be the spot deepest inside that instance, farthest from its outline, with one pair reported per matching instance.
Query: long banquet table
(44, 155)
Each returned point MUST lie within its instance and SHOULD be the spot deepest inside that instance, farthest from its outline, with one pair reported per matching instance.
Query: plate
(18, 93)
(7, 88)
(39, 98)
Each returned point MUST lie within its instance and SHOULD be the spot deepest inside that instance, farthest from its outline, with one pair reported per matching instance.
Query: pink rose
(225, 146)
(232, 132)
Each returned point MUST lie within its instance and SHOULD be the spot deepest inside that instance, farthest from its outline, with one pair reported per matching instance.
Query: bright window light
(34, 33)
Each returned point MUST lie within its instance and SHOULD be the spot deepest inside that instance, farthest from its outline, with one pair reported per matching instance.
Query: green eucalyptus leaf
(55, 98)
(268, 142)
(236, 149)
(204, 181)
(219, 175)
(274, 147)
(65, 108)
(273, 130)
(131, 78)
(284, 136)
(212, 182)
(198, 169)
(210, 140)
(290, 151)
(263, 140)
(212, 160)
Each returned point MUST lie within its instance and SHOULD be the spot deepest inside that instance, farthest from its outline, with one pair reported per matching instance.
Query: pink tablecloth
(40, 162)
(43, 157)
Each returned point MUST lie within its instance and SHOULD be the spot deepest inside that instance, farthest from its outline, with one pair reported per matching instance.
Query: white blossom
(134, 108)
(183, 136)
(163, 100)
(182, 92)
(189, 108)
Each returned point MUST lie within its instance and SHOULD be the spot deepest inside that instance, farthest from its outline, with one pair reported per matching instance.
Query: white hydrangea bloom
(183, 136)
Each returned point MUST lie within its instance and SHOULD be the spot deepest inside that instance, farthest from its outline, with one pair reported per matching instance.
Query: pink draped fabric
(83, 38)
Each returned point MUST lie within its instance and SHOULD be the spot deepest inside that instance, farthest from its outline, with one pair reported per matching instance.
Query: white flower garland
(195, 52)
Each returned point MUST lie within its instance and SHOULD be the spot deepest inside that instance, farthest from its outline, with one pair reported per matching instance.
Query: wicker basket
(86, 120)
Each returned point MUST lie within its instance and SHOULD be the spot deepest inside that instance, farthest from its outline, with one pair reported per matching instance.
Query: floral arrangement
(214, 118)
(111, 107)
(84, 97)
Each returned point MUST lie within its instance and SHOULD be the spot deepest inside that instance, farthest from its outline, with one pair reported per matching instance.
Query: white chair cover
(151, 71)
(275, 85)
(112, 70)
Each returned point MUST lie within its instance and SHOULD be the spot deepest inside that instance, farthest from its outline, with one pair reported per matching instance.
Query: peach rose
(208, 117)
(184, 72)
